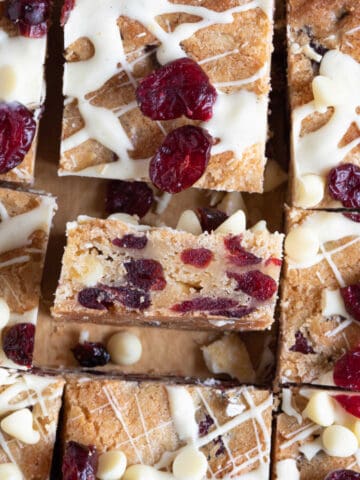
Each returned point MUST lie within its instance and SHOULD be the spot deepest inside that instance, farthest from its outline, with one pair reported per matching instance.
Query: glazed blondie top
(152, 423)
(104, 132)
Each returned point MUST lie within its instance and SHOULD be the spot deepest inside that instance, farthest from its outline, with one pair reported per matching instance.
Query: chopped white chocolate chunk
(189, 222)
(320, 409)
(235, 224)
(10, 471)
(144, 472)
(229, 355)
(332, 303)
(88, 270)
(301, 244)
(327, 93)
(232, 202)
(19, 425)
(287, 470)
(112, 465)
(4, 313)
(124, 217)
(260, 226)
(310, 190)
(125, 348)
(190, 464)
(339, 441)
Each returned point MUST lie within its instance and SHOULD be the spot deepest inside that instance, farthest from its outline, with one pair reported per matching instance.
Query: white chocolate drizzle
(236, 128)
(183, 412)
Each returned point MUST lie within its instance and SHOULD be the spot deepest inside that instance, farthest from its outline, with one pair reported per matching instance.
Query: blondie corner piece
(104, 132)
(317, 433)
(23, 43)
(324, 83)
(121, 273)
(25, 220)
(29, 410)
(215, 433)
(319, 312)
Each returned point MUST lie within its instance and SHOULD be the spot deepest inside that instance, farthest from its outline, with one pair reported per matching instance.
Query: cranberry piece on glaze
(197, 257)
(351, 297)
(205, 304)
(145, 274)
(68, 5)
(178, 88)
(343, 474)
(274, 261)
(346, 370)
(80, 462)
(18, 343)
(91, 354)
(355, 217)
(31, 16)
(239, 256)
(131, 241)
(344, 185)
(301, 344)
(95, 298)
(134, 198)
(211, 218)
(17, 131)
(351, 403)
(255, 283)
(182, 159)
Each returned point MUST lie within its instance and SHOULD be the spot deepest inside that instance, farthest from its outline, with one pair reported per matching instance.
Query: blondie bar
(23, 34)
(222, 49)
(121, 273)
(24, 229)
(324, 82)
(147, 429)
(320, 294)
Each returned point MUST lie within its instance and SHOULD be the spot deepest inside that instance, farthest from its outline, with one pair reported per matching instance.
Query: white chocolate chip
(189, 222)
(327, 93)
(309, 190)
(124, 217)
(4, 313)
(235, 224)
(19, 425)
(144, 472)
(356, 429)
(260, 226)
(89, 270)
(112, 465)
(339, 441)
(320, 409)
(7, 81)
(190, 464)
(125, 348)
(301, 244)
(10, 471)
(274, 176)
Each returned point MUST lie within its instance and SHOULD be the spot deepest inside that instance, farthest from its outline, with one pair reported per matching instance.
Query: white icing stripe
(287, 407)
(21, 69)
(14, 261)
(239, 120)
(301, 436)
(183, 412)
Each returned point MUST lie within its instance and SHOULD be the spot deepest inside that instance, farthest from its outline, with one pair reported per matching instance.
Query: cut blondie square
(324, 82)
(23, 39)
(105, 133)
(320, 301)
(125, 273)
(29, 410)
(317, 435)
(146, 430)
(24, 230)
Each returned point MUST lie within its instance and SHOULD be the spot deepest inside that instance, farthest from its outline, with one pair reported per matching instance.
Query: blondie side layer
(104, 132)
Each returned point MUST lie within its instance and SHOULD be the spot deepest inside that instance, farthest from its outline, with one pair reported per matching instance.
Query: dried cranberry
(221, 446)
(95, 298)
(132, 297)
(344, 185)
(274, 261)
(91, 354)
(145, 274)
(205, 304)
(239, 256)
(355, 217)
(351, 403)
(301, 344)
(182, 159)
(18, 343)
(30, 15)
(346, 370)
(211, 218)
(178, 88)
(68, 5)
(80, 462)
(197, 257)
(255, 283)
(351, 297)
(134, 198)
(204, 425)
(343, 474)
(17, 131)
(131, 241)
(237, 312)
